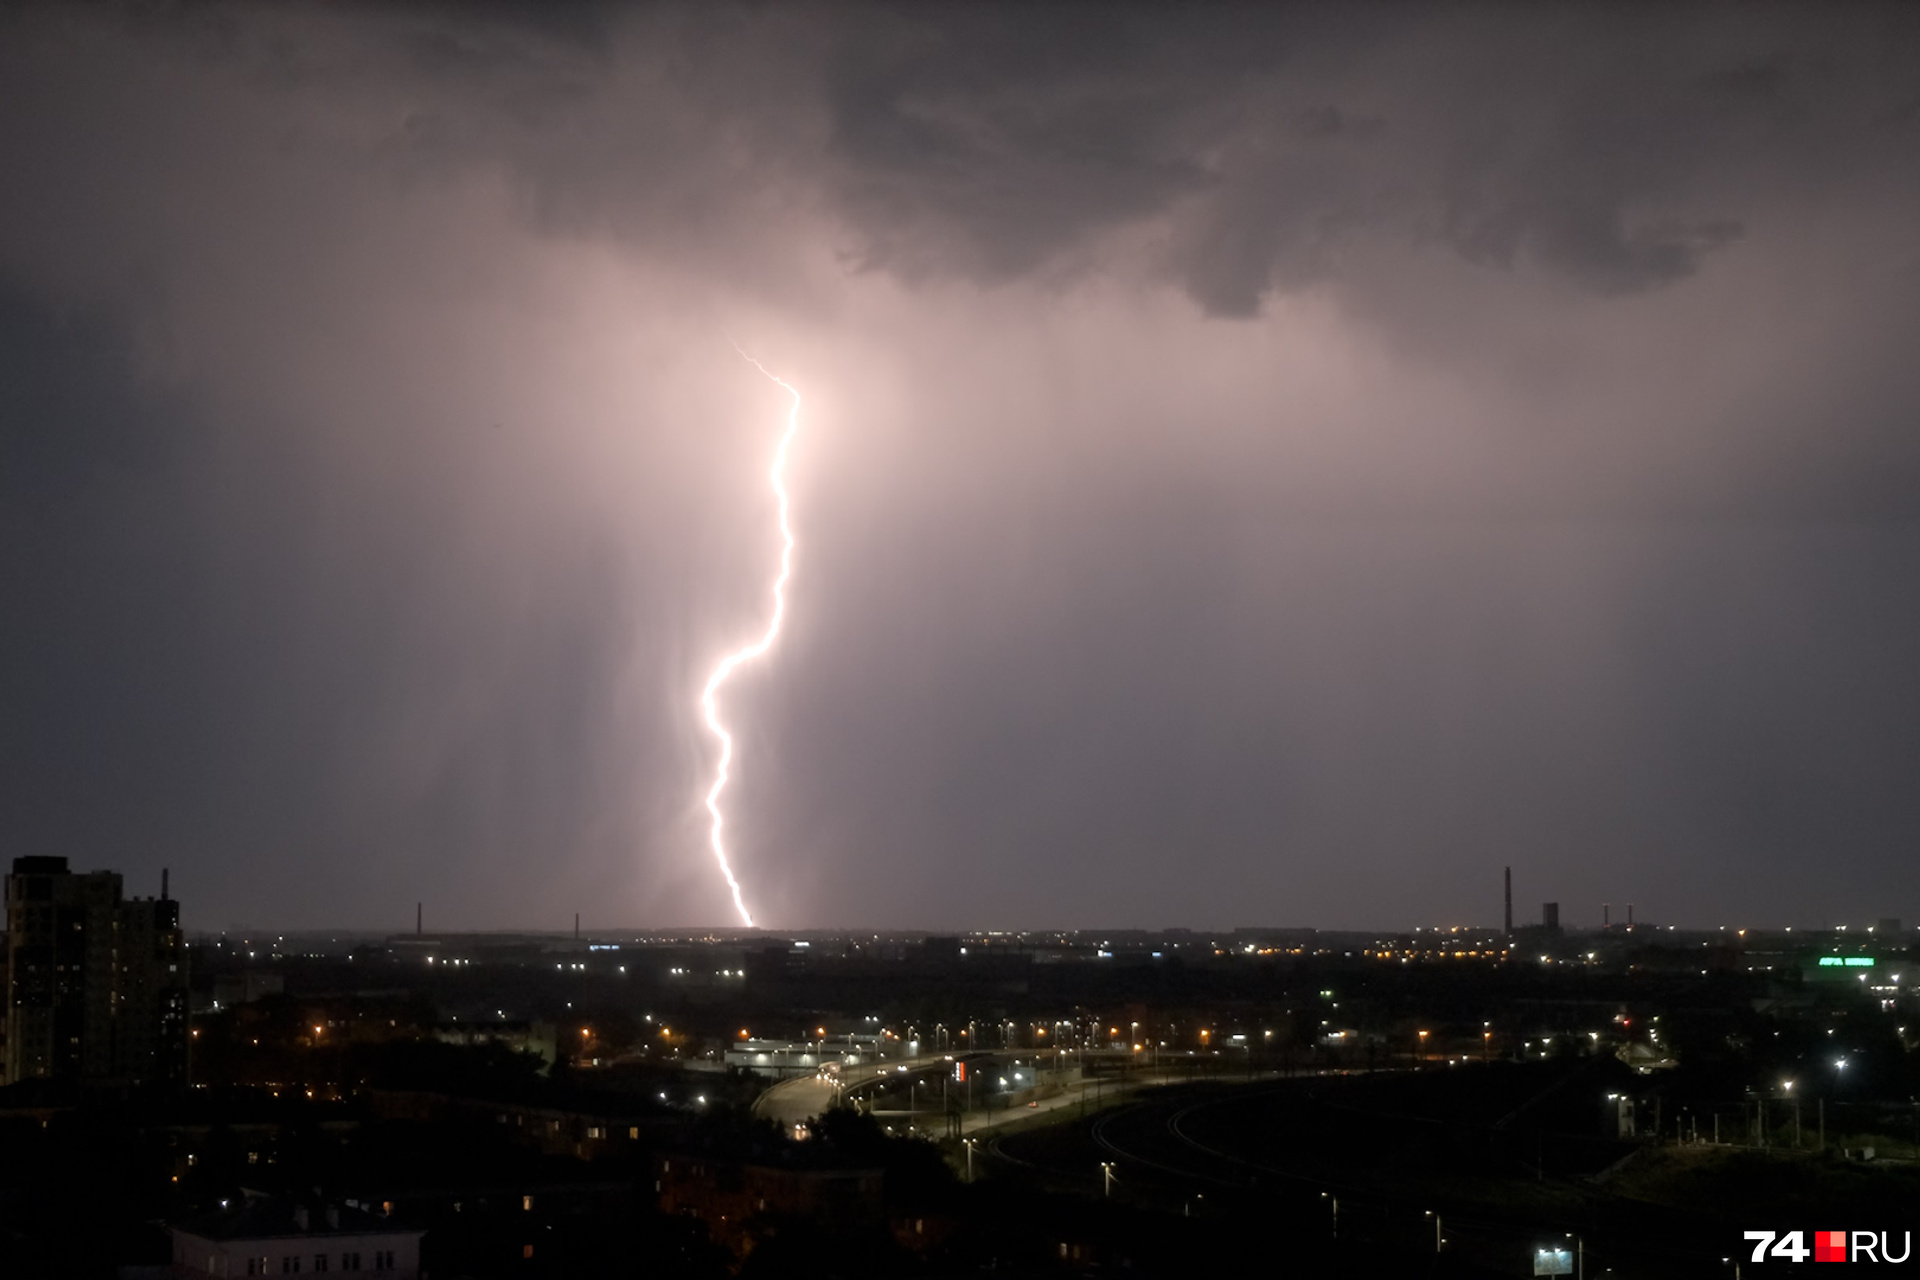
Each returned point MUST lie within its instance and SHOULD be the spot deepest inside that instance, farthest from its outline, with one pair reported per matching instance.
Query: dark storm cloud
(1262, 463)
(1591, 142)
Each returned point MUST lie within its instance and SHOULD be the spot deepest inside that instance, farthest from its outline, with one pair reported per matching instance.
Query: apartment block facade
(95, 983)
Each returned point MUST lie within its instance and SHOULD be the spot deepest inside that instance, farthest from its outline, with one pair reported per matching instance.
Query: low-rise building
(260, 1236)
(735, 1198)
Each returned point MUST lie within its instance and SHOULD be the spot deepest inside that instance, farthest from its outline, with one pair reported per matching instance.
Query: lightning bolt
(709, 696)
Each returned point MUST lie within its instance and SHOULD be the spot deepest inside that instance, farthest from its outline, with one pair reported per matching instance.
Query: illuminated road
(800, 1098)
(1096, 1094)
(792, 1101)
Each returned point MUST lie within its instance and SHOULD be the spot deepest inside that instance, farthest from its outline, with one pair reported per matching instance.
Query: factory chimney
(163, 884)
(1509, 902)
(417, 918)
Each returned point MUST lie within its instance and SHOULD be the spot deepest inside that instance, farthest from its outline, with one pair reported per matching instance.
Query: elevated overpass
(792, 1102)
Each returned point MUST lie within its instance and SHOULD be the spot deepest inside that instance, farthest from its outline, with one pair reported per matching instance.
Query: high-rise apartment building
(95, 984)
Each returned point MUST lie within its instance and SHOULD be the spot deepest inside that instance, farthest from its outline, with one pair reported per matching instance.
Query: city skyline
(1259, 465)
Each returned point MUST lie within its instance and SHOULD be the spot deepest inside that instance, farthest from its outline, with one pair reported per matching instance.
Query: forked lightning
(721, 673)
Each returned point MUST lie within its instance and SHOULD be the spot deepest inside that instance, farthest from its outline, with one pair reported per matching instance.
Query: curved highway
(799, 1099)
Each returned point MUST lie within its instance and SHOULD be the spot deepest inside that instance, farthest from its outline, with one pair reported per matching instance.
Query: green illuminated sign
(1850, 962)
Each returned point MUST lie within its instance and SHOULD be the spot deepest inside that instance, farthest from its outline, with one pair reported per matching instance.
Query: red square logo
(1829, 1246)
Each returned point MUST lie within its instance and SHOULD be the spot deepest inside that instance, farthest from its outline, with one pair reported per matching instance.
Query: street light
(1438, 1239)
(1106, 1172)
(1328, 1195)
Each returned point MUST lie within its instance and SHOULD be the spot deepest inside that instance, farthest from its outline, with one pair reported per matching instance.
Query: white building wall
(197, 1257)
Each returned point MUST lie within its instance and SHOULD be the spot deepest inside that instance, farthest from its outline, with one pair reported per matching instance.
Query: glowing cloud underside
(724, 671)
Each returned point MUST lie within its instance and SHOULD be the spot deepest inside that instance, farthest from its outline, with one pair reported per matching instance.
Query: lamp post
(1438, 1239)
(1106, 1176)
(968, 1144)
(1329, 1196)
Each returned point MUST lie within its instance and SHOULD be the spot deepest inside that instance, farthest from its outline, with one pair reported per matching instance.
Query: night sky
(1257, 467)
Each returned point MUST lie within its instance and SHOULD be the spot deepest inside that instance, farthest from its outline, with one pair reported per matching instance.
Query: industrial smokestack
(417, 918)
(1629, 916)
(1509, 901)
(1606, 915)
(576, 926)
(163, 884)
